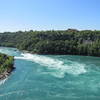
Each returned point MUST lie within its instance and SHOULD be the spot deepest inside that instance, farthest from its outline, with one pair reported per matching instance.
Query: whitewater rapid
(51, 77)
(3, 81)
(59, 68)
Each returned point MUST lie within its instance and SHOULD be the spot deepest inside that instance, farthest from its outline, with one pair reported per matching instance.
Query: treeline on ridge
(65, 42)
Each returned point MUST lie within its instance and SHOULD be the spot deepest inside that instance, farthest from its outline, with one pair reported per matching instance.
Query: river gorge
(51, 77)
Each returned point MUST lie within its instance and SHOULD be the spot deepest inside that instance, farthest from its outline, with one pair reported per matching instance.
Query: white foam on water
(3, 51)
(3, 81)
(58, 67)
(9, 51)
(11, 93)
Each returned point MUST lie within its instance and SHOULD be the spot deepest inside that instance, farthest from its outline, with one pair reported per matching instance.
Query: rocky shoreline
(6, 73)
(6, 65)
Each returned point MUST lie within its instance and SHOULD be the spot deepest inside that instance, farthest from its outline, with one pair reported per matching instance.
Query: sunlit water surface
(49, 77)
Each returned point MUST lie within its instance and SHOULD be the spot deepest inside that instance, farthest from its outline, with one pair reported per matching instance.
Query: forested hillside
(6, 65)
(70, 41)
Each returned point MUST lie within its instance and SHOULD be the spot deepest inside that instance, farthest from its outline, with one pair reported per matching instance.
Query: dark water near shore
(43, 77)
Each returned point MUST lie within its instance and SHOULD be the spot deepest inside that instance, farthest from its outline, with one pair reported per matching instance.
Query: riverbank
(31, 52)
(5, 74)
(68, 42)
(6, 65)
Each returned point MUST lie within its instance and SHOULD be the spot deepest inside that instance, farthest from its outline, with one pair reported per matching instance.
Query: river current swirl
(51, 77)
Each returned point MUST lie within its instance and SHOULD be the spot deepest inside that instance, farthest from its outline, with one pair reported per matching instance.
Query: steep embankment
(6, 65)
(71, 42)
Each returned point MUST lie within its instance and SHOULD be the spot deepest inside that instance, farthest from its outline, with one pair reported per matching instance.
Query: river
(51, 77)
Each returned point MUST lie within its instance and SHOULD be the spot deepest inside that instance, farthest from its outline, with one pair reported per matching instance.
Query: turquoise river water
(51, 77)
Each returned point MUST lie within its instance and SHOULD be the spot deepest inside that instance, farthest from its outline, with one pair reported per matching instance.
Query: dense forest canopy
(65, 42)
(6, 63)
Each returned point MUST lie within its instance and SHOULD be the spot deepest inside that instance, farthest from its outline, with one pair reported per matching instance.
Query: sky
(24, 15)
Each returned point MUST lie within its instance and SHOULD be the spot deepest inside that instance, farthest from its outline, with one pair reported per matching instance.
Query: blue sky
(49, 14)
